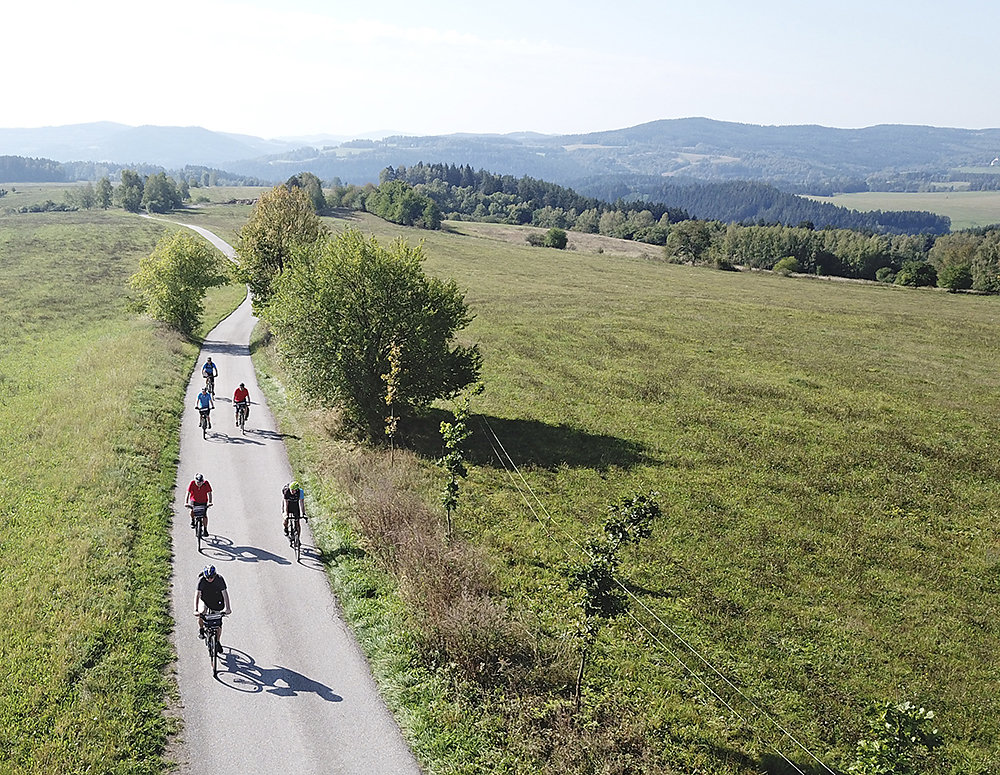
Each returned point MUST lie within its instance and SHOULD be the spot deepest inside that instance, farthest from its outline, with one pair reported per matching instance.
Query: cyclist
(199, 493)
(294, 500)
(210, 371)
(213, 596)
(242, 396)
(205, 403)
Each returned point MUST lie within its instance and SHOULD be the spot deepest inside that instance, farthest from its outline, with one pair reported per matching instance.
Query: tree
(916, 274)
(629, 521)
(129, 194)
(160, 194)
(952, 256)
(688, 241)
(102, 193)
(454, 436)
(172, 280)
(338, 309)
(313, 187)
(282, 220)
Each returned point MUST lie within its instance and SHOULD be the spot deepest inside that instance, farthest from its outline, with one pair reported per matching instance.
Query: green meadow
(825, 456)
(89, 400)
(967, 209)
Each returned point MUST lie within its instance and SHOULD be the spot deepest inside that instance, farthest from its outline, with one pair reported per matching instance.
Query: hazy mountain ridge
(798, 157)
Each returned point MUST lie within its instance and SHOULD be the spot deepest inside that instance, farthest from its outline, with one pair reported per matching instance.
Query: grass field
(89, 396)
(967, 209)
(825, 454)
(826, 461)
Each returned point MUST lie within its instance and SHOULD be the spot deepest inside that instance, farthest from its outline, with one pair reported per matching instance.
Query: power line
(505, 459)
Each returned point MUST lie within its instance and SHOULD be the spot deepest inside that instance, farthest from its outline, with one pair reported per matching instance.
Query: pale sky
(275, 68)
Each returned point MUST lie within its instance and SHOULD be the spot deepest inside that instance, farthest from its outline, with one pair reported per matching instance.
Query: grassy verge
(825, 462)
(89, 396)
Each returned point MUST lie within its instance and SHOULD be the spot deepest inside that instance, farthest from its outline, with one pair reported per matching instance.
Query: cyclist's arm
(225, 598)
(197, 600)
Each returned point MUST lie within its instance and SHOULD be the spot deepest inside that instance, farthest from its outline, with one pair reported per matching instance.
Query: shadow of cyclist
(245, 675)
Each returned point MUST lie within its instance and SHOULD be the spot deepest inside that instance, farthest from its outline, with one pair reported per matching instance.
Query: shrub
(916, 274)
(886, 274)
(899, 736)
(556, 238)
(787, 265)
(955, 277)
(536, 240)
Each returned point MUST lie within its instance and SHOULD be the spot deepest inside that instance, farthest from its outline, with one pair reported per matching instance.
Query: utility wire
(508, 463)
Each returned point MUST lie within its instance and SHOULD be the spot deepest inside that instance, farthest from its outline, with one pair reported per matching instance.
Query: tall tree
(337, 311)
(312, 186)
(129, 194)
(102, 193)
(282, 220)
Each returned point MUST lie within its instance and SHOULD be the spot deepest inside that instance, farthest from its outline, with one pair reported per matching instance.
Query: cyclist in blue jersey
(205, 403)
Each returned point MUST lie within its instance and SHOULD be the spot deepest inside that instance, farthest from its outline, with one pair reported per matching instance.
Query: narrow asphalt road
(293, 693)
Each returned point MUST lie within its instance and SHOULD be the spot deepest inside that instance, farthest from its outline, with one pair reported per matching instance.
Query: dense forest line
(748, 202)
(22, 169)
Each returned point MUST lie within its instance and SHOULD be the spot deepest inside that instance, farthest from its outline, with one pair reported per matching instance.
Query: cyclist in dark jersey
(294, 500)
(211, 595)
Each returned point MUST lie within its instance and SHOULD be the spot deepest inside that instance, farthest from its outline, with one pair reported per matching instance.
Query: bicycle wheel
(198, 530)
(211, 639)
(298, 544)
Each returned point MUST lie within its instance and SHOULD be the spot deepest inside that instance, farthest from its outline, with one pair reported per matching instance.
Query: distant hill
(812, 159)
(164, 146)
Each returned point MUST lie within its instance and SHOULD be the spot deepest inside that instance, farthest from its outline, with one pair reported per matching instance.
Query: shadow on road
(243, 440)
(214, 347)
(244, 675)
(311, 558)
(221, 549)
(275, 436)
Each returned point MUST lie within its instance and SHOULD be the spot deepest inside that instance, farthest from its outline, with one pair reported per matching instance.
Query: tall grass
(825, 457)
(89, 396)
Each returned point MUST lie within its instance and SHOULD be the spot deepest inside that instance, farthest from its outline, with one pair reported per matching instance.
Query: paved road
(294, 693)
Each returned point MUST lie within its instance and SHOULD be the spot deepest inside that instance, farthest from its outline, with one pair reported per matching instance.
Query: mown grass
(967, 209)
(89, 395)
(825, 455)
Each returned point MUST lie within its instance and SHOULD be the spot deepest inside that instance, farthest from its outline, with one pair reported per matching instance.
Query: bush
(917, 274)
(787, 266)
(556, 238)
(536, 240)
(886, 274)
(899, 739)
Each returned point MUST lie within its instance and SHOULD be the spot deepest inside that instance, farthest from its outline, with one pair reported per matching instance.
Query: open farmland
(967, 209)
(825, 457)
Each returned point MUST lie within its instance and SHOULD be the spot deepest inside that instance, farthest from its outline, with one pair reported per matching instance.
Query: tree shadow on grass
(772, 763)
(526, 443)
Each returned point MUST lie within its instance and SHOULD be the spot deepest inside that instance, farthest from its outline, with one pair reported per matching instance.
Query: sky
(301, 68)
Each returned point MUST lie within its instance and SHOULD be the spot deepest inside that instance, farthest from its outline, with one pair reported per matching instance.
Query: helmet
(293, 485)
(242, 385)
(208, 571)
(209, 359)
(199, 478)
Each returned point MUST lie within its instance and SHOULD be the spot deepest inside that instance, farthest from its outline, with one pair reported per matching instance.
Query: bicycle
(212, 623)
(210, 384)
(295, 535)
(203, 422)
(242, 410)
(198, 513)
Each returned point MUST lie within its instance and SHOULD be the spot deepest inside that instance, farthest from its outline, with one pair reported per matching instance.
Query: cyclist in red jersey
(199, 493)
(240, 396)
